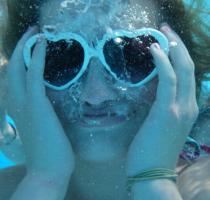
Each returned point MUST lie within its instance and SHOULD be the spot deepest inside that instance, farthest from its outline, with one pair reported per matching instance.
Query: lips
(98, 115)
(100, 119)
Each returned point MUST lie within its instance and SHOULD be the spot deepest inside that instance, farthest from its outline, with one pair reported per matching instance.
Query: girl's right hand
(47, 148)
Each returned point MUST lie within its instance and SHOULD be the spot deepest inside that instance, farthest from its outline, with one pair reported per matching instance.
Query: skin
(167, 105)
(97, 91)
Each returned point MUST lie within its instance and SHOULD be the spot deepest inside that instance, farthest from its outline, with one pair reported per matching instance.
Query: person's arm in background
(194, 181)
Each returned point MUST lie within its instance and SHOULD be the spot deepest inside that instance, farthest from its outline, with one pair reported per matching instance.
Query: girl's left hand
(164, 132)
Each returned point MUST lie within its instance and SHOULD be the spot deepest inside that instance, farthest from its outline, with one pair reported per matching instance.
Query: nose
(96, 90)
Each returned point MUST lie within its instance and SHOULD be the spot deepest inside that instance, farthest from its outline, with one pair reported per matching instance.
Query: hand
(163, 134)
(46, 146)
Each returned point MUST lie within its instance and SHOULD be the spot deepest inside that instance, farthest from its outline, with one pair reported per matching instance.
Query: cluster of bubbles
(103, 13)
(109, 14)
(106, 10)
(82, 6)
(132, 15)
(78, 6)
(73, 104)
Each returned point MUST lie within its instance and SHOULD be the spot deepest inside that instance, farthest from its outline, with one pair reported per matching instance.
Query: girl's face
(100, 117)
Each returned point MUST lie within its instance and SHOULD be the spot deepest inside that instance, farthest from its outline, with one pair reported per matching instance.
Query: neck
(92, 180)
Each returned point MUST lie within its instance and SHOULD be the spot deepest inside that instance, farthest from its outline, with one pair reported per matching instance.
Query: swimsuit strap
(192, 150)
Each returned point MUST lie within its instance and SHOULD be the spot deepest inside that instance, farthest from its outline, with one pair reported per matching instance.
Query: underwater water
(4, 162)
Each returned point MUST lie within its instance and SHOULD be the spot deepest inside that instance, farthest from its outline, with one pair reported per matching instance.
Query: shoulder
(9, 179)
(194, 182)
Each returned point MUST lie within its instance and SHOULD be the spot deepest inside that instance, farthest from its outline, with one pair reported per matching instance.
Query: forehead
(94, 18)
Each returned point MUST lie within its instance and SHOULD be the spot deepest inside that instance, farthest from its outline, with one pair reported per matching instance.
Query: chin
(101, 143)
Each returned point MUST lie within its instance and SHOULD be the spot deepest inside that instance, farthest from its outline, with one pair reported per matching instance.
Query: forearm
(160, 189)
(39, 187)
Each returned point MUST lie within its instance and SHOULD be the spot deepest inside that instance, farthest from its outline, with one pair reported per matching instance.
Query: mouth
(101, 119)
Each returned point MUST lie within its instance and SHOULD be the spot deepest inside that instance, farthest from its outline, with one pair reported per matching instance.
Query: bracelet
(157, 173)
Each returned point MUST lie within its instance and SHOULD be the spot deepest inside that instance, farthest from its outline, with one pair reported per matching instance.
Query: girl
(106, 92)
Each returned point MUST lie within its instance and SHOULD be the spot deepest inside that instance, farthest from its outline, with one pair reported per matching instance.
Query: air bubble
(118, 40)
(173, 44)
(124, 89)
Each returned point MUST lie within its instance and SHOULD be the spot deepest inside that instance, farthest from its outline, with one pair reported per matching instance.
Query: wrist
(151, 174)
(150, 189)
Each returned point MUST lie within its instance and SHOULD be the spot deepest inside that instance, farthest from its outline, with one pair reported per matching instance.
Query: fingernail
(156, 45)
(165, 27)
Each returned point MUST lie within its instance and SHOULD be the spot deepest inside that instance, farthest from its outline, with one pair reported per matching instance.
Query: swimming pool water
(5, 162)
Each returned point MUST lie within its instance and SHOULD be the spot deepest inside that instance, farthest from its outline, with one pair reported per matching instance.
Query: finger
(35, 85)
(16, 68)
(183, 67)
(166, 91)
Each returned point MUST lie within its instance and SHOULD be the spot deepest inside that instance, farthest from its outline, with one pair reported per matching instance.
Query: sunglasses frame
(97, 51)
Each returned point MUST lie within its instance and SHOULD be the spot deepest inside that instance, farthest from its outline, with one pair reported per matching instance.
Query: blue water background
(5, 162)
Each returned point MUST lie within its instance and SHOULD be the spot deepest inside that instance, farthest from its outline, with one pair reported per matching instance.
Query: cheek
(146, 94)
(65, 105)
(142, 100)
(56, 98)
(146, 98)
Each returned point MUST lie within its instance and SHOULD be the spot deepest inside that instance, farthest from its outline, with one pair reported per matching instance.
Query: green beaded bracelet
(157, 173)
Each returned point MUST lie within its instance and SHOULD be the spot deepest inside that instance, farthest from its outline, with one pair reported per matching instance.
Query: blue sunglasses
(124, 54)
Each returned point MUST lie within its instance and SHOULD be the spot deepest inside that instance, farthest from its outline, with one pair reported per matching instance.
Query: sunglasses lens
(129, 58)
(64, 60)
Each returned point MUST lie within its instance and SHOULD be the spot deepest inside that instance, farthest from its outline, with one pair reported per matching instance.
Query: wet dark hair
(185, 21)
